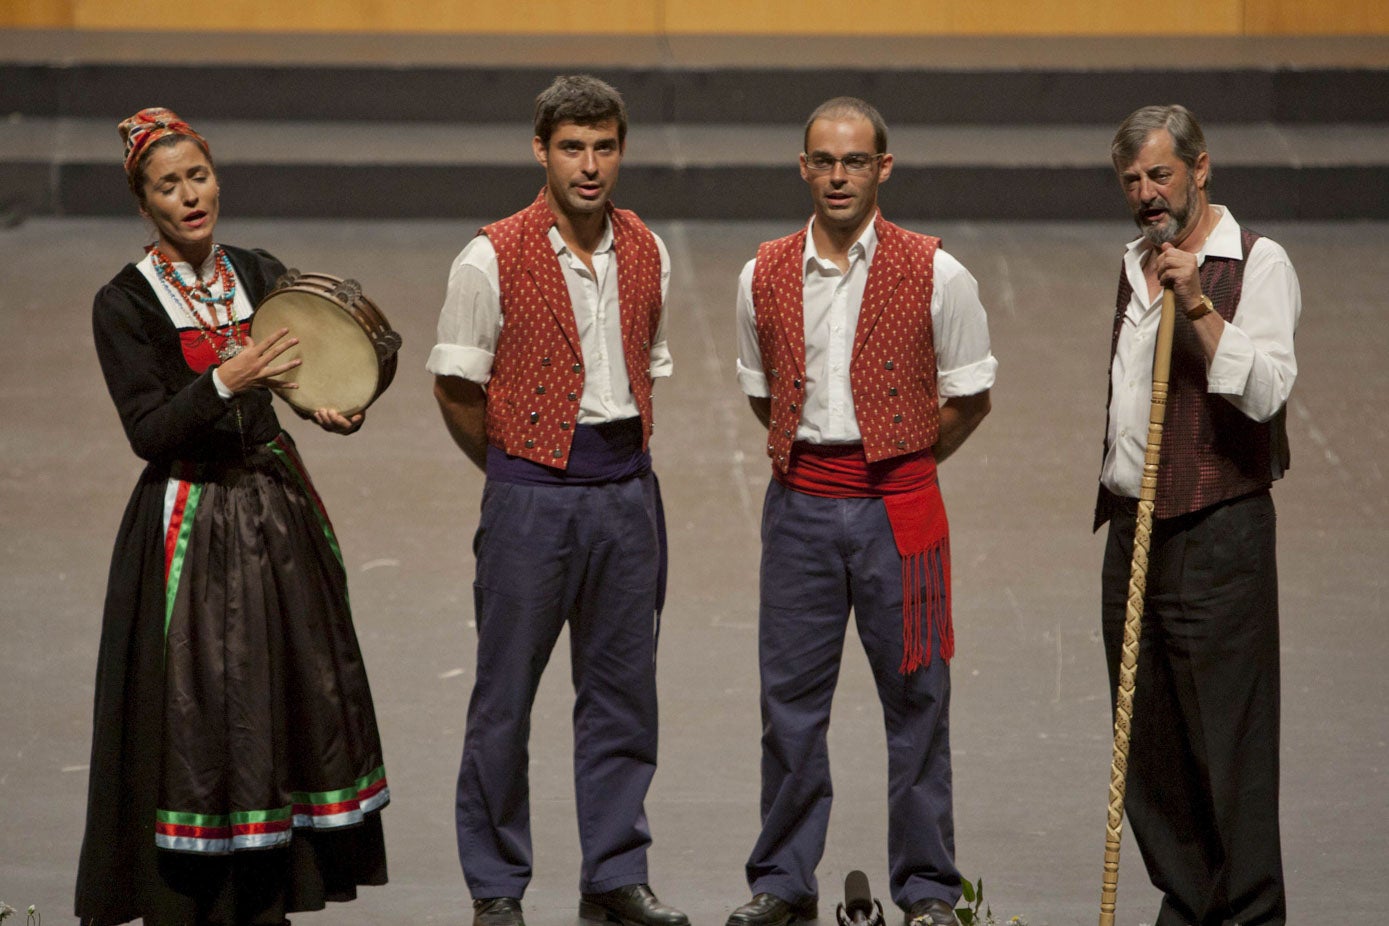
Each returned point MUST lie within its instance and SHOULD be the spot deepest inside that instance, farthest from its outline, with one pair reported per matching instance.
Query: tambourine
(347, 346)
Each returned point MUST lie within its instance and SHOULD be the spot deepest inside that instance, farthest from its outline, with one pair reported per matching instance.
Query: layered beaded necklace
(201, 293)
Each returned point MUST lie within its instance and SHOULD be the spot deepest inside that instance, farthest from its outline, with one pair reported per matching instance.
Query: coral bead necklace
(219, 290)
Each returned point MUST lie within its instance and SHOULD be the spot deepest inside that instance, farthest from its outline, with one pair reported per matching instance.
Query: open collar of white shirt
(604, 246)
(1223, 241)
(865, 246)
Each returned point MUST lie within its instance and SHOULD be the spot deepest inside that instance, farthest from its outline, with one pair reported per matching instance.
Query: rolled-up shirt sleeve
(661, 364)
(751, 377)
(470, 321)
(965, 364)
(1254, 366)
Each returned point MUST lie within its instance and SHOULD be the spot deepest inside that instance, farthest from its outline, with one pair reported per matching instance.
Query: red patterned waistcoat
(1211, 451)
(892, 373)
(538, 369)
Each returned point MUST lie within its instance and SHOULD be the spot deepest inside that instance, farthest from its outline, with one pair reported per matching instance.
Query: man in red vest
(549, 341)
(1202, 791)
(864, 350)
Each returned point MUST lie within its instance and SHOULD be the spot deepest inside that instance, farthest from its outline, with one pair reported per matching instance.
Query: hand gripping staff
(1133, 617)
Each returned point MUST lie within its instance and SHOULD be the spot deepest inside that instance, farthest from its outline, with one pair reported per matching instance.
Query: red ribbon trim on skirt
(916, 513)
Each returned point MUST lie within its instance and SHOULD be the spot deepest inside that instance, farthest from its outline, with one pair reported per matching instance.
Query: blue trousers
(547, 555)
(1202, 791)
(821, 558)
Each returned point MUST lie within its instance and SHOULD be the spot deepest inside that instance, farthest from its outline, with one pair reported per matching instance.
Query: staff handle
(1133, 617)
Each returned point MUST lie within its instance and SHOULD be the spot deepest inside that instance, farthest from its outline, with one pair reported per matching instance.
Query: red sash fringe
(916, 513)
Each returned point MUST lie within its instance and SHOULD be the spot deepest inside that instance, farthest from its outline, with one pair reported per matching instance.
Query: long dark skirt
(236, 767)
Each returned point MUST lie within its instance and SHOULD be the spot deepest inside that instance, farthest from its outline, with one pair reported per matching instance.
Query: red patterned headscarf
(148, 126)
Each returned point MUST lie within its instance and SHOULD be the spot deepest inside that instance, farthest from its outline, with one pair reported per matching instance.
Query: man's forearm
(959, 416)
(463, 405)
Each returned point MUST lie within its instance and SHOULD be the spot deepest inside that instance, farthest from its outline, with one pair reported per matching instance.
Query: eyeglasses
(853, 163)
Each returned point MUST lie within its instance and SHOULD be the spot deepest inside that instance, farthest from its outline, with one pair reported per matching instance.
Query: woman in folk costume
(236, 770)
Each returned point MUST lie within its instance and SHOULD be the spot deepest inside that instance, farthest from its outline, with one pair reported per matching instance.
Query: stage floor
(1030, 727)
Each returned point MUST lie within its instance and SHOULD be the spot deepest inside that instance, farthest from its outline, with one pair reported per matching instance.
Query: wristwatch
(1206, 307)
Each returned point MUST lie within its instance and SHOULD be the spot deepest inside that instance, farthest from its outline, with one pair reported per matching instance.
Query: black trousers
(1202, 794)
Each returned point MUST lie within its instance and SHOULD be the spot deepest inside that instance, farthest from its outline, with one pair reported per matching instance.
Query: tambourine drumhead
(341, 367)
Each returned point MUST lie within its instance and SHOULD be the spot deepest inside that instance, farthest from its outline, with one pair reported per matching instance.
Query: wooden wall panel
(45, 14)
(808, 17)
(1316, 17)
(615, 17)
(1072, 17)
(731, 17)
(975, 17)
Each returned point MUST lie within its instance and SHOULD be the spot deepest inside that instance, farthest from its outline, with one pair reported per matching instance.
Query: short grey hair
(1188, 141)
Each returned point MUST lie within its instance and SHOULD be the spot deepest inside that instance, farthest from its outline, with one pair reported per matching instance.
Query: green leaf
(968, 890)
(965, 915)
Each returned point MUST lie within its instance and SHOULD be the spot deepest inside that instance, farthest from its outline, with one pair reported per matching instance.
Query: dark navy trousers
(1202, 791)
(821, 558)
(547, 555)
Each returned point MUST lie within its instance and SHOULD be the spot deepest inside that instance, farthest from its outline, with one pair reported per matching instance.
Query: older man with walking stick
(1202, 770)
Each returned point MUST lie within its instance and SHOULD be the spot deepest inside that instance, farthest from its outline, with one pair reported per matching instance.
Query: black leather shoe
(630, 905)
(771, 910)
(931, 912)
(498, 911)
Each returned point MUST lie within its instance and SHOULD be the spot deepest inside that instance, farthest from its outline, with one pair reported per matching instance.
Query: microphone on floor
(859, 908)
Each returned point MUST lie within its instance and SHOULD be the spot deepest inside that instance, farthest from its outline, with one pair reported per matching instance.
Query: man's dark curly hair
(581, 99)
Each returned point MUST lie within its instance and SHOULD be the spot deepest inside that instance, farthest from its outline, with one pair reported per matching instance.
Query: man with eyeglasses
(864, 350)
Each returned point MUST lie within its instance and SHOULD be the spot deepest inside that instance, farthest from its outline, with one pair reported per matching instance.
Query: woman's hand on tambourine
(330, 419)
(256, 365)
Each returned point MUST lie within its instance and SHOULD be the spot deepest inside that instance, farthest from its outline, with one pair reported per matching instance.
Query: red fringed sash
(907, 485)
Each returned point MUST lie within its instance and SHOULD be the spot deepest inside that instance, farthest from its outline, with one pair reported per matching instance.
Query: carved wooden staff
(1133, 617)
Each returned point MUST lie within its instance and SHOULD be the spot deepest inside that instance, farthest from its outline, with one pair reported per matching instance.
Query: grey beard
(1176, 224)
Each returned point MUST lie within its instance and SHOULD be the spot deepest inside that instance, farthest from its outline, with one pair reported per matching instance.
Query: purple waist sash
(601, 453)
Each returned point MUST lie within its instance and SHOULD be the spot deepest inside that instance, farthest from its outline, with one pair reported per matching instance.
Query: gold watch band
(1205, 308)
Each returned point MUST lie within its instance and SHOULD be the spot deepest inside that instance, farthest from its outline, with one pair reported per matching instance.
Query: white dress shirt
(832, 298)
(1253, 368)
(471, 321)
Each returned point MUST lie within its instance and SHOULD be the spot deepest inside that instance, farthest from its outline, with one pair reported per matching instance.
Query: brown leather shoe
(498, 911)
(931, 912)
(629, 905)
(771, 910)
